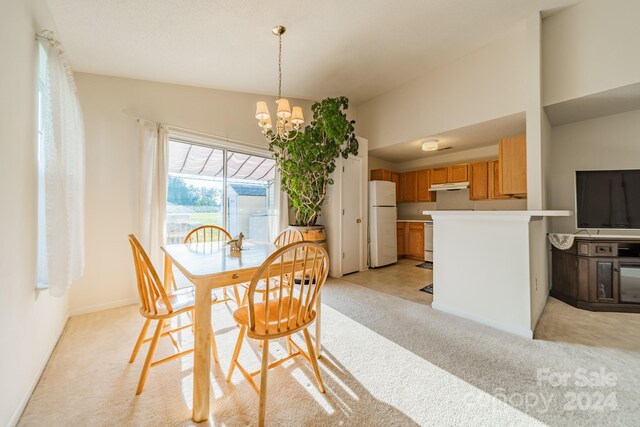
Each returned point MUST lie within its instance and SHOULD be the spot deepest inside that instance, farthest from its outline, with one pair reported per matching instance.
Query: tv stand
(598, 273)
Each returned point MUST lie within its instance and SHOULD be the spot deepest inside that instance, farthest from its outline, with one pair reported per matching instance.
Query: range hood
(452, 186)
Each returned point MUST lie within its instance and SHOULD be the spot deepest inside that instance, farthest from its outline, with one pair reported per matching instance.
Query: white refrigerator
(383, 244)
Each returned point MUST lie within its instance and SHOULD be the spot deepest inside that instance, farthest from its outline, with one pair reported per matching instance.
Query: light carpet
(386, 361)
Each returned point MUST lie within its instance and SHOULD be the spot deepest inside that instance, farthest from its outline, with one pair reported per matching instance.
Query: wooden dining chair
(158, 304)
(213, 233)
(289, 311)
(286, 237)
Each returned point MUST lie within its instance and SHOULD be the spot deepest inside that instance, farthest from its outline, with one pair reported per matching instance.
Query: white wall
(482, 270)
(376, 163)
(111, 167)
(483, 85)
(537, 148)
(30, 322)
(589, 48)
(610, 142)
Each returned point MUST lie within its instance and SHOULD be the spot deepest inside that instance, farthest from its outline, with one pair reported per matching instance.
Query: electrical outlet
(536, 284)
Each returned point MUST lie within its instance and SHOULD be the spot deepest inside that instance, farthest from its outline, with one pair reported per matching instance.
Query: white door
(352, 225)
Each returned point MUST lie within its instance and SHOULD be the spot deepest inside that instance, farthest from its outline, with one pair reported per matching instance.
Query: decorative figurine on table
(236, 244)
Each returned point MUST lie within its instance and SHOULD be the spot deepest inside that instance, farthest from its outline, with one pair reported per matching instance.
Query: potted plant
(306, 162)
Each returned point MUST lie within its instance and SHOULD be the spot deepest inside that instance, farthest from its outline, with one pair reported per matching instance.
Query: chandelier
(287, 121)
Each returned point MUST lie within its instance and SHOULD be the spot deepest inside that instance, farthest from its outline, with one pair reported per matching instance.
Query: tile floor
(402, 279)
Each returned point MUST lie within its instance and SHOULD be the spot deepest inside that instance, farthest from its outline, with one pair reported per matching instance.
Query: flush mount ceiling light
(287, 121)
(430, 145)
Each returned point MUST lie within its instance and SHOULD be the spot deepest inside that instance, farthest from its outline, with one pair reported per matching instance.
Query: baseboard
(13, 421)
(522, 332)
(105, 306)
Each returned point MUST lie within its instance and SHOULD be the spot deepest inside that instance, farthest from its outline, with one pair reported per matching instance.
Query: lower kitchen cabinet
(410, 239)
(415, 240)
(401, 235)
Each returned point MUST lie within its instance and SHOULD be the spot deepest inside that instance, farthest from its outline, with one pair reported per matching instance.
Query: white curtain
(63, 140)
(152, 200)
(282, 203)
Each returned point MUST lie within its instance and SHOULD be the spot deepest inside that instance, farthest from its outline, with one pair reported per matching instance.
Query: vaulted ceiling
(357, 48)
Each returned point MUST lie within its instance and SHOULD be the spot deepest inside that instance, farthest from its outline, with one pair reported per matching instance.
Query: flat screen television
(608, 199)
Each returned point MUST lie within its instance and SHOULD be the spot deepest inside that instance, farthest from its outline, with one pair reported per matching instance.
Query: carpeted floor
(387, 361)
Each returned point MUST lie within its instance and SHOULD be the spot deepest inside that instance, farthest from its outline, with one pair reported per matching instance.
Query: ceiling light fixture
(430, 145)
(287, 121)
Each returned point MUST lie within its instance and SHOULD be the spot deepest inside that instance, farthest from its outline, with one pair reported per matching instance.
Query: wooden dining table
(212, 265)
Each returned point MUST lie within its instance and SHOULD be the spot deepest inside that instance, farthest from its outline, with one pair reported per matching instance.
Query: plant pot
(313, 233)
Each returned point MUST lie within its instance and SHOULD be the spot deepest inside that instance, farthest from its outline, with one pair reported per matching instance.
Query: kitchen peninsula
(487, 266)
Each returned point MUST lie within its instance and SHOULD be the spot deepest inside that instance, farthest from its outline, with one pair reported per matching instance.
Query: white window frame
(202, 140)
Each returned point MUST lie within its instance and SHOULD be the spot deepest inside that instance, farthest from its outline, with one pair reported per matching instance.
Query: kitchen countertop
(498, 214)
(414, 220)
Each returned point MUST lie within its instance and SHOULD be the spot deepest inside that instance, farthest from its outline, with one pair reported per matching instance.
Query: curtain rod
(196, 132)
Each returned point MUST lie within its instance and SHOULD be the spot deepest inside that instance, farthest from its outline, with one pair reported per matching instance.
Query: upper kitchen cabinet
(394, 177)
(512, 162)
(424, 182)
(400, 188)
(439, 176)
(381, 175)
(479, 181)
(458, 173)
(410, 186)
(494, 182)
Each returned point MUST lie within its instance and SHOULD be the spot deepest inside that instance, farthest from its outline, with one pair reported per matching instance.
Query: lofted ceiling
(357, 48)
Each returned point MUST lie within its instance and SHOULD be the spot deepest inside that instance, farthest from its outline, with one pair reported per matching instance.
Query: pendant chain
(279, 66)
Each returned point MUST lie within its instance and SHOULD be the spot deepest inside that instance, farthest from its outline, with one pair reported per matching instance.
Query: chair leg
(245, 298)
(143, 333)
(289, 348)
(263, 383)
(214, 346)
(152, 350)
(224, 294)
(236, 351)
(237, 295)
(314, 360)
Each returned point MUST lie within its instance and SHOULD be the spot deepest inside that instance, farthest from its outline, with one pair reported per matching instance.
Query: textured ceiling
(357, 48)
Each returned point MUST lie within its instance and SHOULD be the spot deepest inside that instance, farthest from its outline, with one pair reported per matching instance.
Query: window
(218, 186)
(42, 277)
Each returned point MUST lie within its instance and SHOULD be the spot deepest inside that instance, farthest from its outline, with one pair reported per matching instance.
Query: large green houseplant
(306, 162)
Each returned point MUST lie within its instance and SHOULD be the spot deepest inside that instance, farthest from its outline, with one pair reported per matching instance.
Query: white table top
(200, 260)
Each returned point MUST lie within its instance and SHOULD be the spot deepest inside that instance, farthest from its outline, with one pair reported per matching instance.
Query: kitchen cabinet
(494, 182)
(401, 232)
(439, 176)
(380, 175)
(394, 177)
(479, 181)
(410, 186)
(458, 173)
(410, 237)
(424, 182)
(415, 240)
(400, 188)
(512, 161)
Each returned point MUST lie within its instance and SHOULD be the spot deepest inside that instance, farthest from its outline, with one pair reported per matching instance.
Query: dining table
(208, 266)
